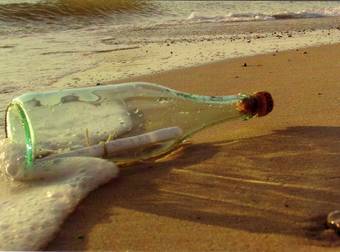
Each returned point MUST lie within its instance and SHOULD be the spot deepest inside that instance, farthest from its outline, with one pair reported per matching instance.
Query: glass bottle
(124, 122)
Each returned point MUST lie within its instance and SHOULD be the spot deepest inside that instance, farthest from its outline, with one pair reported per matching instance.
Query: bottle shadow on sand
(284, 183)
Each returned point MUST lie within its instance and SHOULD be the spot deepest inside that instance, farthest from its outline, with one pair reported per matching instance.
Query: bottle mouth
(18, 129)
(260, 104)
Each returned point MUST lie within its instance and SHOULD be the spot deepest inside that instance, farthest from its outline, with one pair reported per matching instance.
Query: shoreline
(265, 184)
(241, 59)
(169, 54)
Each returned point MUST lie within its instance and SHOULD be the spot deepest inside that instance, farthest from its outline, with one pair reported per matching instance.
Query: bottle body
(57, 122)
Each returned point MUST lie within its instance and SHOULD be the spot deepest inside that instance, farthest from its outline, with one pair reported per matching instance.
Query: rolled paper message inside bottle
(110, 148)
(69, 121)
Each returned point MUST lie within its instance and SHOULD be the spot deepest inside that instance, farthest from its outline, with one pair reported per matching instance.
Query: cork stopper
(260, 104)
(265, 103)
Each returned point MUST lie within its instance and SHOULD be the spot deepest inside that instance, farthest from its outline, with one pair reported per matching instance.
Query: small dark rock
(319, 93)
(245, 64)
(81, 237)
(304, 52)
(98, 84)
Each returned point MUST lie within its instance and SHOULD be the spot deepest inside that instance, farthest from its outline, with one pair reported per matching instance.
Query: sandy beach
(266, 184)
(262, 185)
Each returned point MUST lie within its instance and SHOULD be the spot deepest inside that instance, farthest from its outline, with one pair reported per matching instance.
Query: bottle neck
(211, 110)
(257, 104)
(260, 103)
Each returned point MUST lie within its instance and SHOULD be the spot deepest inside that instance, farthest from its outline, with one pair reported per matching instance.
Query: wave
(239, 17)
(54, 9)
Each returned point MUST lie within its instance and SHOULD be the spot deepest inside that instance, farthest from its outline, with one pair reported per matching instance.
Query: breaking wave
(54, 9)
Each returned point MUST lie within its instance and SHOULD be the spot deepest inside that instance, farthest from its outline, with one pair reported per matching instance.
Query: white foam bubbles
(197, 17)
(32, 212)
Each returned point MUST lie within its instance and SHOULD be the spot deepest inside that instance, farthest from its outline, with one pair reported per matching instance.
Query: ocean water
(55, 44)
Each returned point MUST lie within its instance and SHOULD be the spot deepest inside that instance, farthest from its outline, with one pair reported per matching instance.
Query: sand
(262, 185)
(161, 54)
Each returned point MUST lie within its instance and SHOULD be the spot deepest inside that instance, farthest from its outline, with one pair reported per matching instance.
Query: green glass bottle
(124, 122)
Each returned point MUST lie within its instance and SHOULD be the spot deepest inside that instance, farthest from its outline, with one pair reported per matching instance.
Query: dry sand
(262, 185)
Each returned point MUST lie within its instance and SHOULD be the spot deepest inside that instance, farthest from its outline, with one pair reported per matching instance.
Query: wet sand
(262, 185)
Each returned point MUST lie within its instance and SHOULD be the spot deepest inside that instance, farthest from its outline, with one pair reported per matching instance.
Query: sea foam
(32, 212)
(197, 17)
